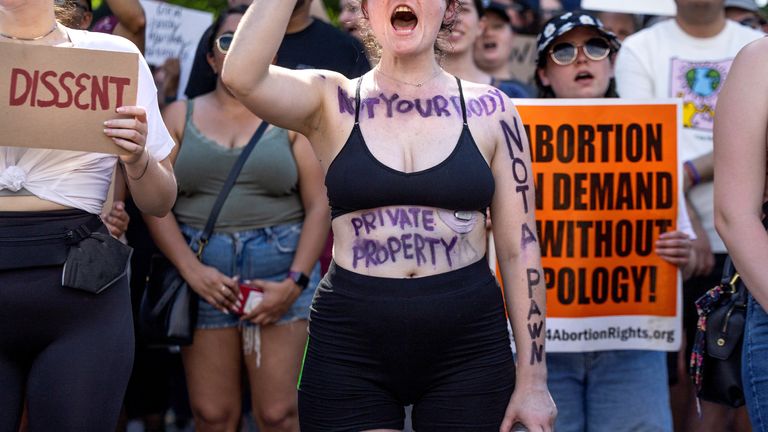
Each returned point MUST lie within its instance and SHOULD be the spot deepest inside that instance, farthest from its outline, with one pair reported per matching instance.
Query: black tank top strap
(461, 99)
(357, 100)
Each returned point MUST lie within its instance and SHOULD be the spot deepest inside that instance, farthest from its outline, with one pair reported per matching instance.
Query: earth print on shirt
(698, 84)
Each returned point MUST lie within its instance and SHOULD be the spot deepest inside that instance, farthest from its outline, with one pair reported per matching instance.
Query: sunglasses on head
(565, 53)
(224, 41)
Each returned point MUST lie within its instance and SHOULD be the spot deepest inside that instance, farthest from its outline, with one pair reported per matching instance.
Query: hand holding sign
(674, 247)
(129, 133)
(71, 91)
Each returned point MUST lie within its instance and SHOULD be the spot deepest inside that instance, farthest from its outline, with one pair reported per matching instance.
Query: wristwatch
(299, 279)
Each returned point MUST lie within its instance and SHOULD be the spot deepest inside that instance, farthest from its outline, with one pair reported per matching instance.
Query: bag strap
(227, 188)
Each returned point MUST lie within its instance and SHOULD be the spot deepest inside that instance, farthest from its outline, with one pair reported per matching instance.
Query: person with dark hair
(269, 235)
(459, 58)
(587, 68)
(308, 43)
(525, 15)
(66, 340)
(409, 312)
(612, 390)
(493, 50)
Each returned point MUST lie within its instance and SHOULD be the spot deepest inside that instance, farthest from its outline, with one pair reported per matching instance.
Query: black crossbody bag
(715, 364)
(168, 309)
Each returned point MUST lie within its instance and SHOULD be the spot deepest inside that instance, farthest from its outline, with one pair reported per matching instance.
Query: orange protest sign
(59, 98)
(607, 187)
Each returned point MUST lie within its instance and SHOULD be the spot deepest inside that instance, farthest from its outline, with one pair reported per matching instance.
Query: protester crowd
(315, 103)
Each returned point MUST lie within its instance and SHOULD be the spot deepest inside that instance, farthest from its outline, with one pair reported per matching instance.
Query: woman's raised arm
(286, 98)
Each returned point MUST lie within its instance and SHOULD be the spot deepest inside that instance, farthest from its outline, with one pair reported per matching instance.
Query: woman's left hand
(278, 298)
(117, 219)
(533, 407)
(129, 133)
(674, 247)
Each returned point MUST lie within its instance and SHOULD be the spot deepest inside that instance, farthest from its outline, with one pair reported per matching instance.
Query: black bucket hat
(560, 25)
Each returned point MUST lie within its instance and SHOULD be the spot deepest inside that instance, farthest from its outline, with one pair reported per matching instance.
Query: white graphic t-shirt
(665, 62)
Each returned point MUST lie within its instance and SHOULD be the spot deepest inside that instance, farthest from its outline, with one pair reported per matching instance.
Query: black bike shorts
(440, 343)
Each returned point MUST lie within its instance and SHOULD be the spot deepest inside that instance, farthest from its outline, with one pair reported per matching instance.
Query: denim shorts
(610, 391)
(754, 365)
(263, 253)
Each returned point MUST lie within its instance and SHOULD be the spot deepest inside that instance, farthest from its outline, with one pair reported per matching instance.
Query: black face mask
(95, 263)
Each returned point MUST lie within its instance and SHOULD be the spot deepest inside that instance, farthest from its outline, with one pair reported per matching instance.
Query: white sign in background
(173, 31)
(645, 7)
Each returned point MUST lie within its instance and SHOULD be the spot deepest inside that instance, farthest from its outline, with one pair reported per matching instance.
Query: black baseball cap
(562, 24)
(497, 8)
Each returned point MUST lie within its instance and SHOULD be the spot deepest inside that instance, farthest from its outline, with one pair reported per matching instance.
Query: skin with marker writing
(392, 105)
(415, 238)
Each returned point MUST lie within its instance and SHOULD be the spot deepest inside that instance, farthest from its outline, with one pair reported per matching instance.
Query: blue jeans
(754, 365)
(611, 391)
(264, 253)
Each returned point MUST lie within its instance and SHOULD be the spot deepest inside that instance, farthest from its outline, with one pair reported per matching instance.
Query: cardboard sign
(645, 7)
(59, 98)
(606, 188)
(173, 32)
(522, 61)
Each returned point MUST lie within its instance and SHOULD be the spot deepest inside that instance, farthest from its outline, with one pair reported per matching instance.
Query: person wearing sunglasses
(269, 234)
(616, 390)
(575, 58)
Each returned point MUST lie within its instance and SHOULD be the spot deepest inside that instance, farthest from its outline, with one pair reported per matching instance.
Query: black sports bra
(356, 180)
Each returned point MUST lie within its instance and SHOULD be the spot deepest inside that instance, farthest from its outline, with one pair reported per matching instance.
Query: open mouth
(404, 19)
(490, 46)
(582, 76)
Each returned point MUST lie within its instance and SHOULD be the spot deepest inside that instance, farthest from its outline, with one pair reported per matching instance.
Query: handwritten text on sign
(59, 98)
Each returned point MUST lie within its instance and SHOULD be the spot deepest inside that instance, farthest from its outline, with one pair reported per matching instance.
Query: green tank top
(265, 194)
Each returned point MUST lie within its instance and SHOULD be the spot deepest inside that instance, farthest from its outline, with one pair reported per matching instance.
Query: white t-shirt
(665, 62)
(79, 179)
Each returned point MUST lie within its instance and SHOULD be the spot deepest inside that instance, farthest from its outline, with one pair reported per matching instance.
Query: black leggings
(67, 352)
(376, 344)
